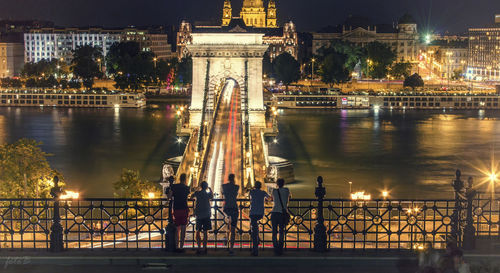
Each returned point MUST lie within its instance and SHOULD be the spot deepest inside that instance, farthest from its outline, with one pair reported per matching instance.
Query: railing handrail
(239, 199)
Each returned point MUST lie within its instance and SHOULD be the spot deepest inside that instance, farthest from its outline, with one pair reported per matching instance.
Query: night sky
(309, 15)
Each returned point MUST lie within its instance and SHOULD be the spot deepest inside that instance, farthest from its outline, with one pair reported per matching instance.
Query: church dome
(253, 4)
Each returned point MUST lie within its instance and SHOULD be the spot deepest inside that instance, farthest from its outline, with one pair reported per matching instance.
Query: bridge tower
(235, 54)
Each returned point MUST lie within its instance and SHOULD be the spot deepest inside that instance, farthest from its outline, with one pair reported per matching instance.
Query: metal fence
(138, 223)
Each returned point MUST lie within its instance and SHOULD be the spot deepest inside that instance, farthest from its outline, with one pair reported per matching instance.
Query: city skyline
(428, 14)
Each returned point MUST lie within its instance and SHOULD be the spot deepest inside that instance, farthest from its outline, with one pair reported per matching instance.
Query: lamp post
(449, 54)
(56, 230)
(320, 237)
(100, 66)
(313, 60)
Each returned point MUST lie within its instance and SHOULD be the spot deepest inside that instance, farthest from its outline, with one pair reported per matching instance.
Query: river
(412, 154)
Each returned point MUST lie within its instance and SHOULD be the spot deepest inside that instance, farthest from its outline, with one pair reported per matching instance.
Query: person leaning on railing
(230, 192)
(257, 198)
(179, 193)
(279, 215)
(202, 212)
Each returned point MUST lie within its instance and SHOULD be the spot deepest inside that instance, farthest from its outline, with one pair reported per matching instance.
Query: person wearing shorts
(179, 193)
(230, 192)
(202, 212)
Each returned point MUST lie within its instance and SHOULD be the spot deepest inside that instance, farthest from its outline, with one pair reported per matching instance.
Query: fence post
(469, 231)
(320, 244)
(458, 186)
(56, 230)
(170, 229)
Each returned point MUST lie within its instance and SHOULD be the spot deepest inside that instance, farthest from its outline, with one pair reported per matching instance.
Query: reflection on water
(411, 153)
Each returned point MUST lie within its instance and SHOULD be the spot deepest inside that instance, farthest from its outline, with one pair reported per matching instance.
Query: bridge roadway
(223, 145)
(224, 154)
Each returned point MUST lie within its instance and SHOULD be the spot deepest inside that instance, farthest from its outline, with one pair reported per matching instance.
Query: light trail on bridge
(225, 148)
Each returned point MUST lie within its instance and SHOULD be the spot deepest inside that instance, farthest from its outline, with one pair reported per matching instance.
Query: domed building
(253, 13)
(254, 18)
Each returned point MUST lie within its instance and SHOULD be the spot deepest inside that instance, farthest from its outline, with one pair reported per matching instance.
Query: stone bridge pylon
(231, 55)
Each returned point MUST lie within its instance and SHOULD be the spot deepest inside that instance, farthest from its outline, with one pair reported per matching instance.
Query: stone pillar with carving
(320, 237)
(56, 230)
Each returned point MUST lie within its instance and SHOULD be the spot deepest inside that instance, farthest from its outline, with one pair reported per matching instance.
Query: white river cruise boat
(89, 99)
(387, 101)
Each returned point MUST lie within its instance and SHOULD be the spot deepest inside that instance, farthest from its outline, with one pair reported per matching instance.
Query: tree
(63, 83)
(413, 81)
(24, 170)
(379, 57)
(85, 64)
(400, 70)
(130, 67)
(74, 84)
(286, 69)
(43, 68)
(10, 82)
(185, 71)
(333, 69)
(50, 82)
(457, 74)
(131, 185)
(31, 83)
(267, 66)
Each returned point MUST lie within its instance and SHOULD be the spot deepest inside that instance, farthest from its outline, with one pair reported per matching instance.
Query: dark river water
(413, 154)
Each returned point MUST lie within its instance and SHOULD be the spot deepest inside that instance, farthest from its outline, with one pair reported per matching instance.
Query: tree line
(130, 67)
(336, 63)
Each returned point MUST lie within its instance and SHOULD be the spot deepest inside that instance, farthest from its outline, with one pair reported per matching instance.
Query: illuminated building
(402, 37)
(484, 52)
(253, 18)
(11, 55)
(253, 14)
(58, 43)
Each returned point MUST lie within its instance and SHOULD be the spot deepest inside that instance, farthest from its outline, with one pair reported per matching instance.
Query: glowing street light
(360, 195)
(70, 195)
(179, 140)
(385, 194)
(151, 195)
(493, 177)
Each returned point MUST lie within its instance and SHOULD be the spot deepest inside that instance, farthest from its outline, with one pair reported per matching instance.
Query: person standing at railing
(230, 193)
(257, 199)
(202, 213)
(279, 215)
(179, 193)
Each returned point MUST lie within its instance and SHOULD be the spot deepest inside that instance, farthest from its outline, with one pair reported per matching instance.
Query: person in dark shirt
(257, 199)
(230, 193)
(179, 193)
(203, 213)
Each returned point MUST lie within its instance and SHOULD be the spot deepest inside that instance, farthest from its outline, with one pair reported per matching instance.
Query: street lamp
(154, 60)
(449, 54)
(385, 194)
(350, 187)
(313, 60)
(100, 66)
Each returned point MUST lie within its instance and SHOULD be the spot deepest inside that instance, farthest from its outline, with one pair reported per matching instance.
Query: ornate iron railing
(138, 223)
(486, 215)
